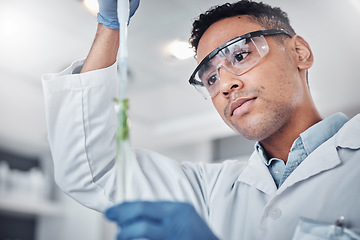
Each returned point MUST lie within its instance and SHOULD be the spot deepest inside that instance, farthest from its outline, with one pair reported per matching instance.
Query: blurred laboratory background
(167, 114)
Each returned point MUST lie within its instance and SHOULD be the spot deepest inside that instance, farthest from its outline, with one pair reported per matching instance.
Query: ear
(304, 55)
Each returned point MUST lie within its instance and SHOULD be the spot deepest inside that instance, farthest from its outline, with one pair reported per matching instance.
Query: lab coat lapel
(349, 135)
(326, 156)
(257, 175)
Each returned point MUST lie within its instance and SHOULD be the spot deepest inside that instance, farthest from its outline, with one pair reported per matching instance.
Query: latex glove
(159, 220)
(107, 14)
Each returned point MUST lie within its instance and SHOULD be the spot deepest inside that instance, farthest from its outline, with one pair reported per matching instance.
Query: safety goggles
(237, 56)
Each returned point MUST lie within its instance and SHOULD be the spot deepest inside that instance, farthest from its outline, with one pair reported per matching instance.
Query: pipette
(123, 157)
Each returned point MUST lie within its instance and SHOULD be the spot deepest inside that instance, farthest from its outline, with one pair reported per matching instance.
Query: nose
(228, 81)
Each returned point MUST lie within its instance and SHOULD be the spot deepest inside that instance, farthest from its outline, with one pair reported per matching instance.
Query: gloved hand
(107, 14)
(159, 220)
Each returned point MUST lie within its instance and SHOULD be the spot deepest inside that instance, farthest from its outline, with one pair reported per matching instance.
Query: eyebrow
(208, 64)
(204, 68)
(224, 51)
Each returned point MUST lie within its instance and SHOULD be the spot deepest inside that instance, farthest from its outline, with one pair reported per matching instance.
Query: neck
(278, 145)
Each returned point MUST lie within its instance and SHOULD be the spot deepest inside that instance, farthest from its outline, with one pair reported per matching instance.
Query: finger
(128, 211)
(142, 229)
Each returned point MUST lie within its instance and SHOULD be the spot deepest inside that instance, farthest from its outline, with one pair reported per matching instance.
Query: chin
(254, 129)
(254, 134)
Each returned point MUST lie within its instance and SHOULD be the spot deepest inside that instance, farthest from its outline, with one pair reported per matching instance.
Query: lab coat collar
(349, 135)
(257, 175)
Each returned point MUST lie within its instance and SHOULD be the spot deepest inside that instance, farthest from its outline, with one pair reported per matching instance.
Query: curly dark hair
(262, 14)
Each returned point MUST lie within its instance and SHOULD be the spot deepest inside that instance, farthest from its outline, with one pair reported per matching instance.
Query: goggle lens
(237, 56)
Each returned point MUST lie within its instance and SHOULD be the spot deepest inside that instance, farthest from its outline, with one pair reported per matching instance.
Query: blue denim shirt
(305, 144)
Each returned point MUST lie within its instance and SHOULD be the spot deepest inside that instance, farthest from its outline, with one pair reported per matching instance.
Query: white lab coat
(239, 200)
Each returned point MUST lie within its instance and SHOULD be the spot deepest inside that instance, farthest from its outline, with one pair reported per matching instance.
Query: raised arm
(81, 120)
(105, 46)
(104, 49)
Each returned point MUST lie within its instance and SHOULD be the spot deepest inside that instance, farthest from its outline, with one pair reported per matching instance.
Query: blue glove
(107, 14)
(159, 220)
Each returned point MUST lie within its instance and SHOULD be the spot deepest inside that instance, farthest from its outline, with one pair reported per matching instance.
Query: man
(254, 68)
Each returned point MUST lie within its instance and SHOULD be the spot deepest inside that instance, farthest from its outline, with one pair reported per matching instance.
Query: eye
(240, 57)
(212, 79)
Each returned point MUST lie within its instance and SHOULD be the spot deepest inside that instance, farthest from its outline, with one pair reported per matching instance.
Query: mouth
(240, 105)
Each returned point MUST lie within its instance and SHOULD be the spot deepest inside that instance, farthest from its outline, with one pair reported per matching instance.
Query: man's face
(262, 101)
